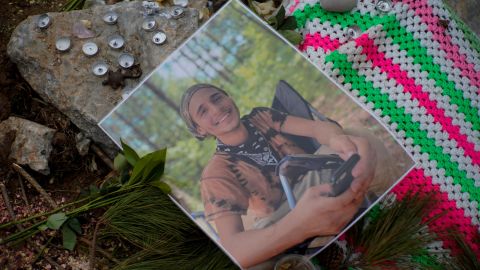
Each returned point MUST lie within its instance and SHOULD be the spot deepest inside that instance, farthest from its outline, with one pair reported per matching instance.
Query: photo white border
(267, 26)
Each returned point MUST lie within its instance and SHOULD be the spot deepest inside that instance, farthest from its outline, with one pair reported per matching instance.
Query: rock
(32, 143)
(65, 79)
(4, 107)
(92, 3)
(82, 144)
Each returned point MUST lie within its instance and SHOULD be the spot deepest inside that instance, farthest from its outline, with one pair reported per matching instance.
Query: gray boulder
(32, 144)
(65, 79)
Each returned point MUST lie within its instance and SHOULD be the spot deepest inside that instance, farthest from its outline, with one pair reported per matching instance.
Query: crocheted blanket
(417, 67)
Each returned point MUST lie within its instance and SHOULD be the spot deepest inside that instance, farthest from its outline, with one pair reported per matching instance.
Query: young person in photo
(240, 177)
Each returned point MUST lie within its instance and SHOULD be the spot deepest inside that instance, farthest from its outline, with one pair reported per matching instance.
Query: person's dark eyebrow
(199, 109)
(213, 96)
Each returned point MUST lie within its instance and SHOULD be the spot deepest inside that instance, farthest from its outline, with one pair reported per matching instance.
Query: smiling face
(213, 112)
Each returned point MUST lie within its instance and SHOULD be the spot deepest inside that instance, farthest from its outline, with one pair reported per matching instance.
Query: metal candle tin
(384, 5)
(177, 12)
(149, 24)
(90, 48)
(126, 60)
(181, 3)
(353, 32)
(63, 44)
(116, 41)
(99, 68)
(44, 21)
(110, 17)
(159, 38)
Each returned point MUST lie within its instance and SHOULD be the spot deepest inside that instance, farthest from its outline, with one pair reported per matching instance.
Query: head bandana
(185, 103)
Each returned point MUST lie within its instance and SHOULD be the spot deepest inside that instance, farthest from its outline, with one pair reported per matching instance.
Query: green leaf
(292, 36)
(290, 23)
(43, 227)
(161, 185)
(55, 221)
(157, 163)
(120, 162)
(130, 155)
(280, 15)
(137, 172)
(148, 166)
(272, 21)
(69, 238)
(74, 224)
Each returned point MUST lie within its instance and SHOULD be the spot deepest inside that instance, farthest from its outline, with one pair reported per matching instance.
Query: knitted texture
(417, 67)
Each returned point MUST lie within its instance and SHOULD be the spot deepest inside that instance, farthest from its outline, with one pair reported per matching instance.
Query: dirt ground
(71, 173)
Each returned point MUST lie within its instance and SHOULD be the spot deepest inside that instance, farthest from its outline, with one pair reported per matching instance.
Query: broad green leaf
(290, 23)
(162, 186)
(137, 172)
(273, 22)
(292, 36)
(157, 173)
(120, 162)
(74, 224)
(157, 162)
(55, 221)
(280, 15)
(43, 227)
(69, 238)
(130, 155)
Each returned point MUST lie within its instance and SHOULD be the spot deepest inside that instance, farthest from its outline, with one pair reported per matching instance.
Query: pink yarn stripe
(401, 77)
(455, 217)
(294, 6)
(425, 12)
(317, 41)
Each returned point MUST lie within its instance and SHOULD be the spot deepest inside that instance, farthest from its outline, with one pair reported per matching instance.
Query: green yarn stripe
(406, 41)
(404, 121)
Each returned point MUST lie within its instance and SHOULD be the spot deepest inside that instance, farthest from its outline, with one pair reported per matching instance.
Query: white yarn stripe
(395, 92)
(391, 51)
(317, 56)
(429, 166)
(326, 28)
(406, 63)
(412, 24)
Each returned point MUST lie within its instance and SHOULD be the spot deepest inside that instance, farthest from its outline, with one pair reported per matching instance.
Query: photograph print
(264, 152)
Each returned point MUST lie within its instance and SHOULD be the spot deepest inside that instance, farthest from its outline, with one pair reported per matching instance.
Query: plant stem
(42, 214)
(35, 184)
(6, 199)
(93, 246)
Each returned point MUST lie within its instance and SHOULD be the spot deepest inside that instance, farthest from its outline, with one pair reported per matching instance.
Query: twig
(40, 251)
(100, 250)
(24, 195)
(108, 176)
(93, 246)
(102, 156)
(34, 183)
(52, 262)
(6, 199)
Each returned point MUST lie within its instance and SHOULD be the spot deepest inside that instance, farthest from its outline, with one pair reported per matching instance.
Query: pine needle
(397, 233)
(167, 238)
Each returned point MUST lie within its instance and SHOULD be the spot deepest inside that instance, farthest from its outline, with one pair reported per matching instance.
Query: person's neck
(235, 137)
